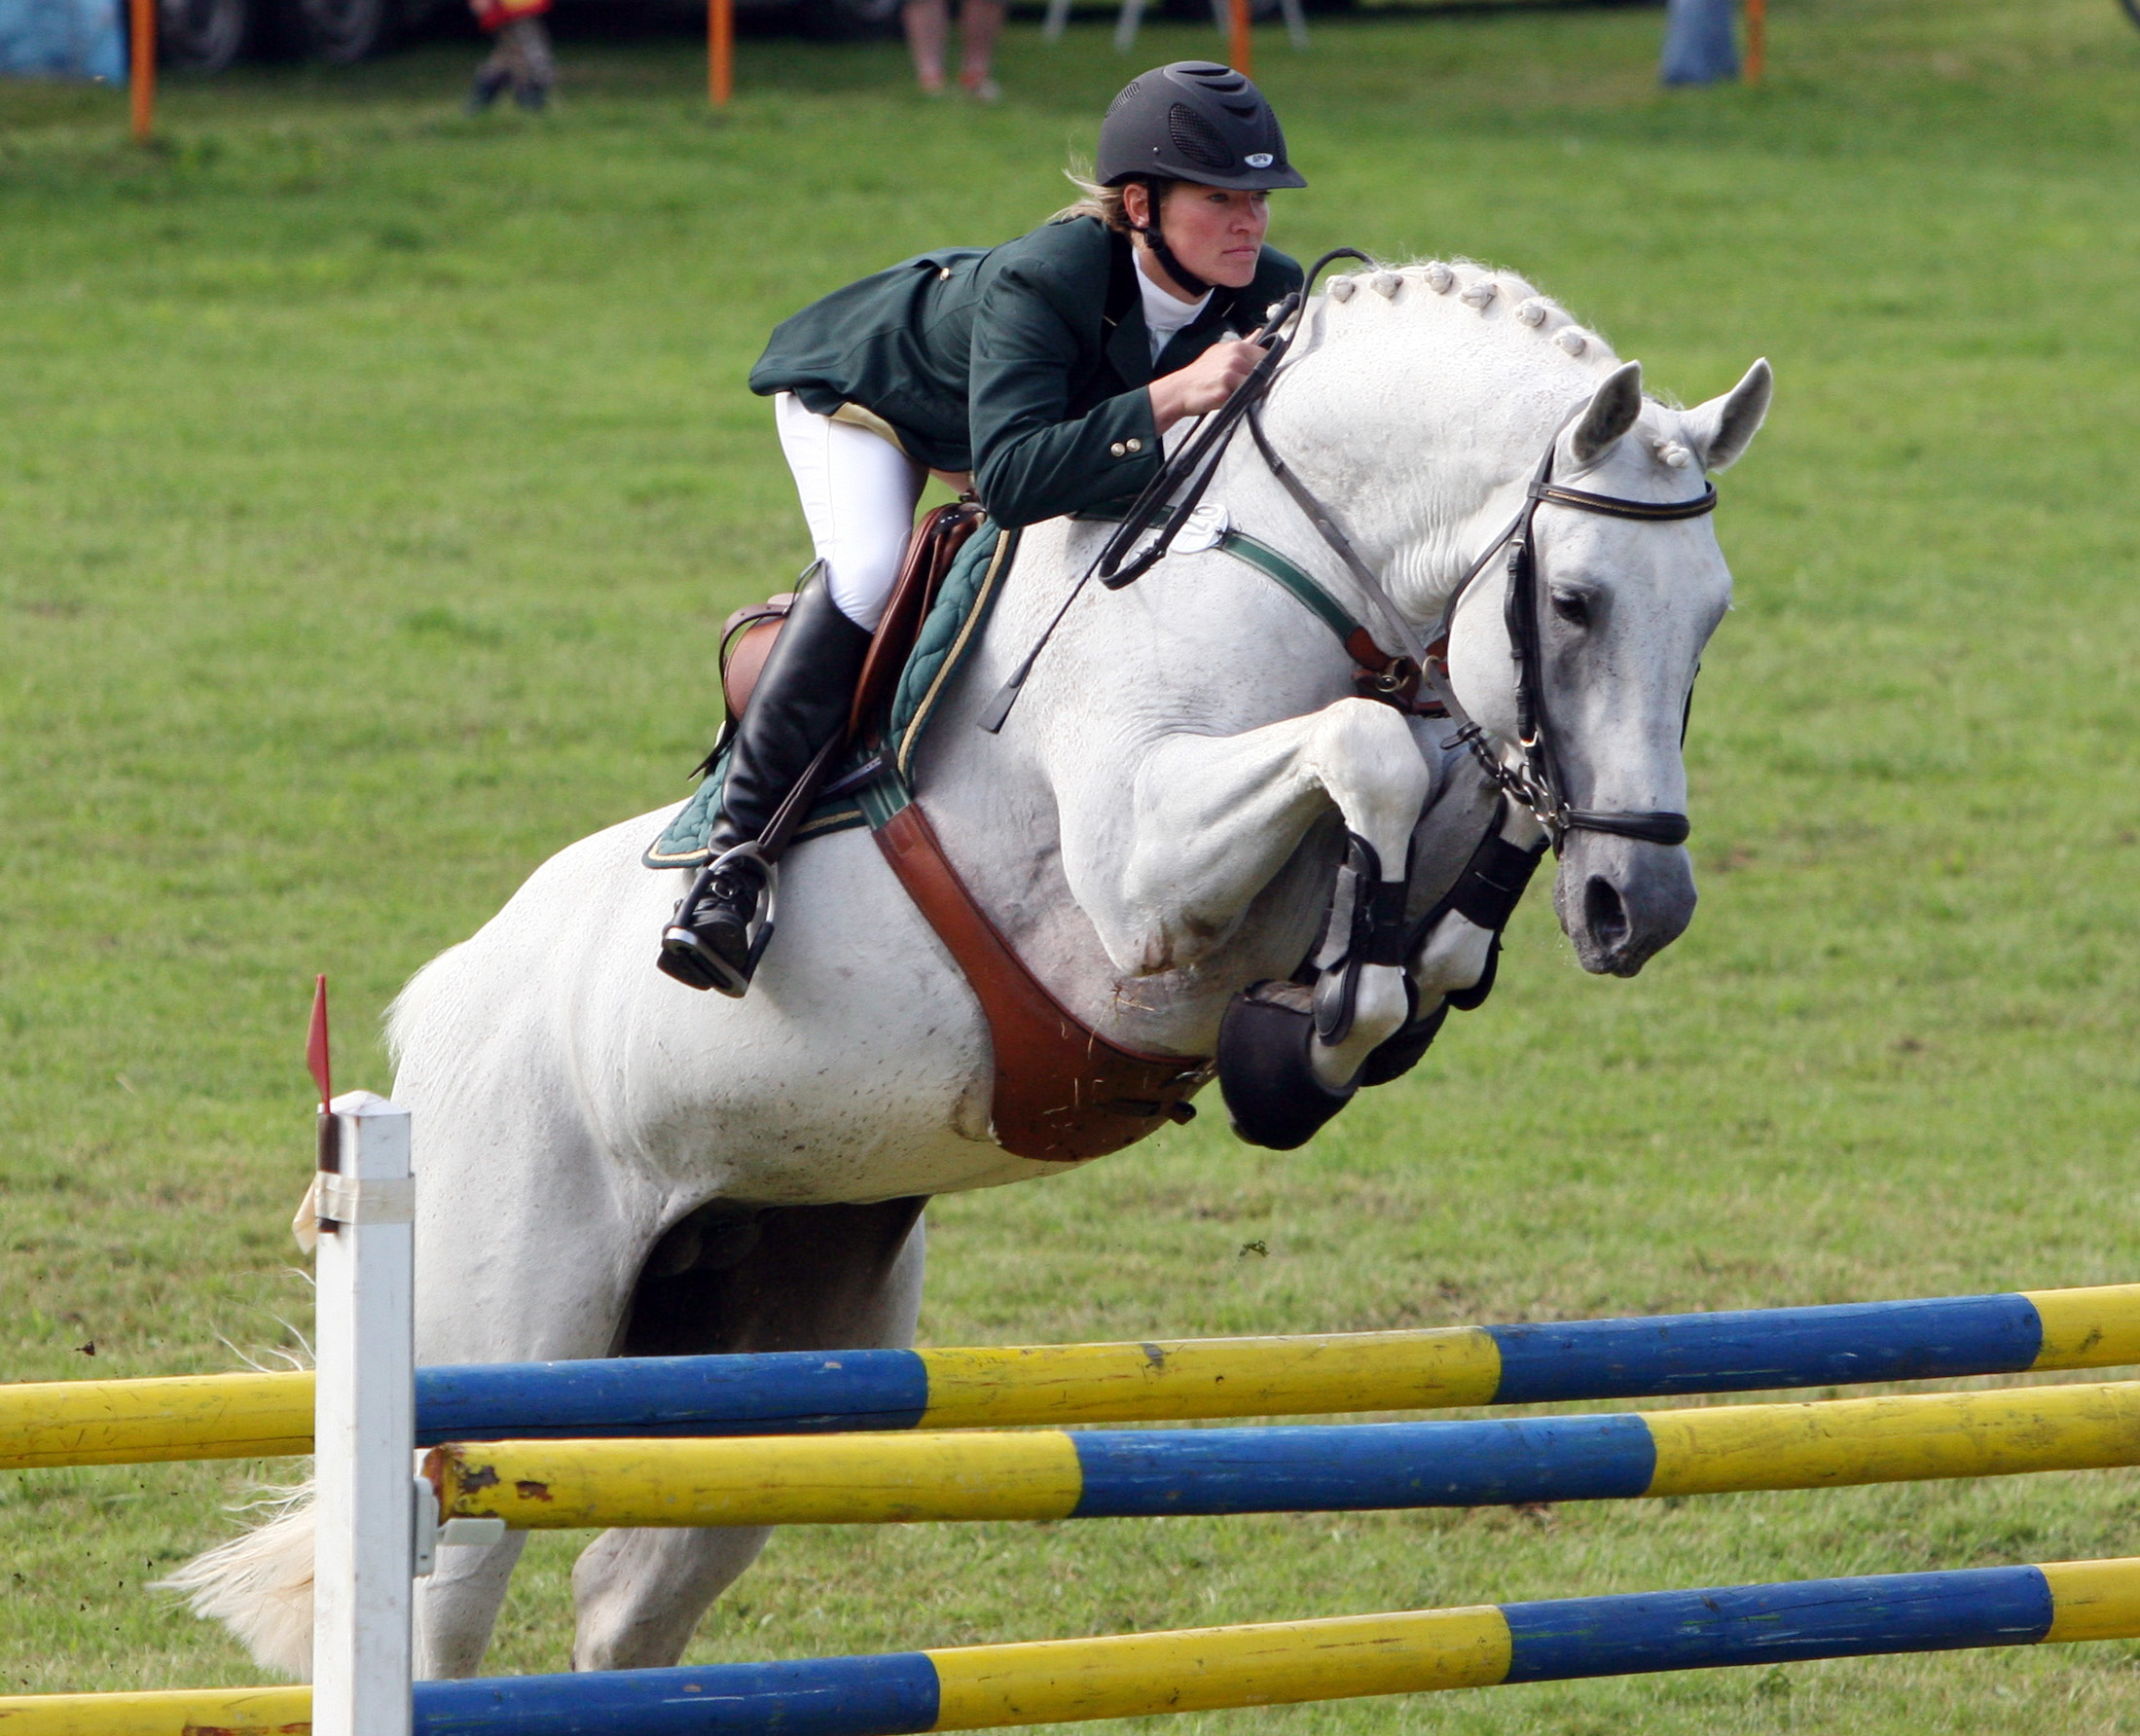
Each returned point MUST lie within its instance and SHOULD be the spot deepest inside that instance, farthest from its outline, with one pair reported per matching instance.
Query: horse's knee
(638, 1594)
(1369, 734)
(1365, 758)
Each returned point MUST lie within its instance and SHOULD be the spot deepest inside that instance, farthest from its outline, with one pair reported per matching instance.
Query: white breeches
(859, 493)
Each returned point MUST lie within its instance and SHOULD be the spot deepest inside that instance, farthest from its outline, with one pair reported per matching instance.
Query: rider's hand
(1205, 384)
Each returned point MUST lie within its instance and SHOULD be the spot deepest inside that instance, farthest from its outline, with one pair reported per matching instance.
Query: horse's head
(1623, 607)
(1422, 403)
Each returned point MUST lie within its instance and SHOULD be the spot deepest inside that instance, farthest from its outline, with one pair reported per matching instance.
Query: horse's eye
(1571, 608)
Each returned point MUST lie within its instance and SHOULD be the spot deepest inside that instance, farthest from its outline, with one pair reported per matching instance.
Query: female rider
(1042, 374)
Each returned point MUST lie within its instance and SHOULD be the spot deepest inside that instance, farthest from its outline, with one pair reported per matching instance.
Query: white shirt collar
(1166, 315)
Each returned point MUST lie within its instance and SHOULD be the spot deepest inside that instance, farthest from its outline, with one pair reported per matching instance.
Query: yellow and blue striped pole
(1328, 1467)
(971, 1687)
(258, 1415)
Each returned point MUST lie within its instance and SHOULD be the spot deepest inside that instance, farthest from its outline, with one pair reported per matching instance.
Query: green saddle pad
(950, 631)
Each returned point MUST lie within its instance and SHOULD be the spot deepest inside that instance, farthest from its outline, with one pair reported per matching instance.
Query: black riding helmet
(1194, 121)
(1191, 121)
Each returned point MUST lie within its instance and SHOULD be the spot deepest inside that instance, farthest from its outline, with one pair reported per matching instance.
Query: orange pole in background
(1237, 38)
(141, 66)
(1757, 40)
(721, 51)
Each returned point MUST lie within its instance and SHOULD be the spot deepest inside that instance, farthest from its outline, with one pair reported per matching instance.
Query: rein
(1188, 473)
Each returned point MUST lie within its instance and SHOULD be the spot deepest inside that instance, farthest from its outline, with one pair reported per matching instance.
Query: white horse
(610, 1164)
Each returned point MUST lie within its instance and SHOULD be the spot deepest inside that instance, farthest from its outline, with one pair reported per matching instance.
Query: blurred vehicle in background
(207, 35)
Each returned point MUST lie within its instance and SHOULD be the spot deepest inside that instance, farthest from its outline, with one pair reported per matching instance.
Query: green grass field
(373, 483)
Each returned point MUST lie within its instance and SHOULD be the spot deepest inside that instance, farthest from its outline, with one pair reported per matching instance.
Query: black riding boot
(800, 703)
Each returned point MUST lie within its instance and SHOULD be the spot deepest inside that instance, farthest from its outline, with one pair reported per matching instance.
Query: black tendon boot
(800, 703)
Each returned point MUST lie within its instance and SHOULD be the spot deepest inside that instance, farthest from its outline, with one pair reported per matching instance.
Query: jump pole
(785, 1392)
(849, 1479)
(1757, 40)
(721, 51)
(970, 1687)
(141, 66)
(366, 1511)
(1239, 46)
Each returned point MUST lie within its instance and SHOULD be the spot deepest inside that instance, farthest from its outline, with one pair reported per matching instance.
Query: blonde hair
(1103, 202)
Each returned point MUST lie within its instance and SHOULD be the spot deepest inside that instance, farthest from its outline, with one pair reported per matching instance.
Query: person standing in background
(1698, 49)
(520, 58)
(928, 33)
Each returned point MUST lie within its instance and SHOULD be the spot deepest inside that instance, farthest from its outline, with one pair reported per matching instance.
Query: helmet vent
(1196, 138)
(1211, 75)
(1128, 90)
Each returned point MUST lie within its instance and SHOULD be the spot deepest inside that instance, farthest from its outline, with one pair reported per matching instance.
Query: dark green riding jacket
(1025, 364)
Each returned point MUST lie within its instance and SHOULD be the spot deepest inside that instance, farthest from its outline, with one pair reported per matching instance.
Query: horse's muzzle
(1622, 901)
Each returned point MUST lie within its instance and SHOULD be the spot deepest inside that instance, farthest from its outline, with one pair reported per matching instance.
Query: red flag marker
(316, 1045)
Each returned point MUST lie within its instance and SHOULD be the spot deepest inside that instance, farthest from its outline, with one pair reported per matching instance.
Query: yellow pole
(721, 51)
(141, 72)
(162, 1712)
(140, 1422)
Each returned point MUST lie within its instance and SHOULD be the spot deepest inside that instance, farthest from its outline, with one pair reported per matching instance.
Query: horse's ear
(1611, 413)
(1721, 430)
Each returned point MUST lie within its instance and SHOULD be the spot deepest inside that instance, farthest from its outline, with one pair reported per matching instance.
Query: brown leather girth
(1063, 1092)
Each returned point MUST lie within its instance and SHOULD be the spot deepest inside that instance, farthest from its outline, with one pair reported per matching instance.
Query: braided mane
(1504, 303)
(1499, 299)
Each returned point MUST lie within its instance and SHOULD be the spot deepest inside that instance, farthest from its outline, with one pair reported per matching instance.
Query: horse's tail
(260, 1584)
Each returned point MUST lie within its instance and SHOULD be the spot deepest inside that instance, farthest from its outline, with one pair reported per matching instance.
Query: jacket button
(1117, 450)
(1134, 443)
(943, 274)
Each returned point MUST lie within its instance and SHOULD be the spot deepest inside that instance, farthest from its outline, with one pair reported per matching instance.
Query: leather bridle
(1537, 782)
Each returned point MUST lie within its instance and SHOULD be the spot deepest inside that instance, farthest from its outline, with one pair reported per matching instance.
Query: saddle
(747, 635)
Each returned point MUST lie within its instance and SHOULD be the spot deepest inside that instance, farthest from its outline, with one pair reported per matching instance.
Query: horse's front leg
(1166, 850)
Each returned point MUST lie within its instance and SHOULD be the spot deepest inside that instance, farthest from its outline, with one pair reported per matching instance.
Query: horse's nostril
(1604, 914)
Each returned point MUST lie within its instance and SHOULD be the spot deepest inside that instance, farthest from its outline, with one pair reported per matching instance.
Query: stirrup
(688, 959)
